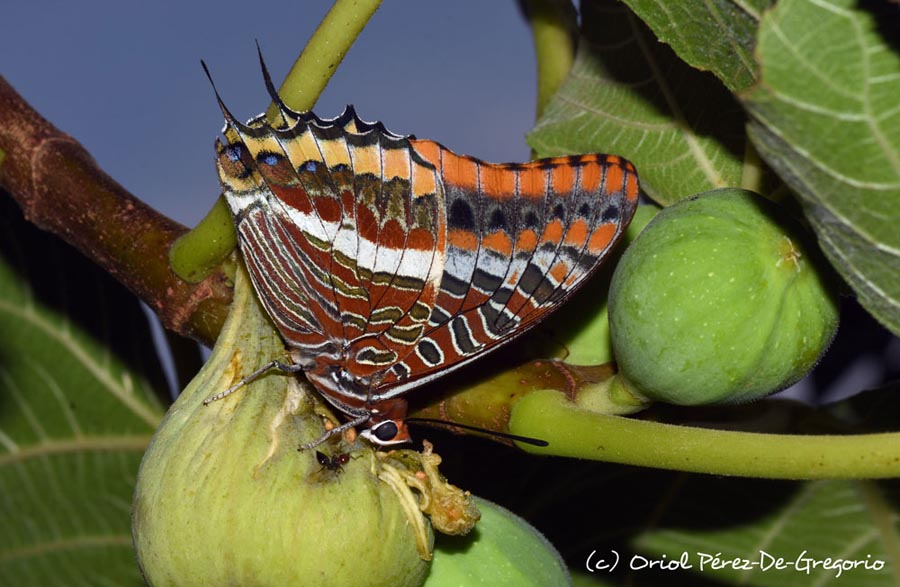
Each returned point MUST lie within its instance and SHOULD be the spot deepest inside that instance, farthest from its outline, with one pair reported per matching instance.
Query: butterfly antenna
(506, 435)
(286, 113)
(225, 112)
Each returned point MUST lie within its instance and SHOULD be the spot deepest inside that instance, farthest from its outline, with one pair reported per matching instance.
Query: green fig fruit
(224, 497)
(722, 297)
(504, 551)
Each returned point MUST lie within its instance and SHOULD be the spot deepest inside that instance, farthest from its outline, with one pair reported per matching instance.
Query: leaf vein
(67, 544)
(791, 46)
(681, 124)
(128, 443)
(664, 127)
(129, 400)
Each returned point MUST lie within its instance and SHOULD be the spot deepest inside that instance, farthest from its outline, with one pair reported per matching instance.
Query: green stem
(202, 249)
(198, 252)
(573, 432)
(325, 50)
(554, 30)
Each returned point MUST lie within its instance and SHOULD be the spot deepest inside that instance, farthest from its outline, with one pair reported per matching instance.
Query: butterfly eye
(385, 431)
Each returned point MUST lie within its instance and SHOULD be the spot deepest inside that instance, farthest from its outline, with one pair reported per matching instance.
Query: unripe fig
(224, 497)
(505, 550)
(721, 298)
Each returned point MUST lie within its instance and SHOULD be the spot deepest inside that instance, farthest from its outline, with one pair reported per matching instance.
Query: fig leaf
(79, 380)
(826, 118)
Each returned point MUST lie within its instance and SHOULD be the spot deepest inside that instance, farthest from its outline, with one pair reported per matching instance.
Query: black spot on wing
(559, 212)
(400, 370)
(532, 221)
(498, 221)
(611, 214)
(461, 216)
(462, 336)
(439, 315)
(429, 352)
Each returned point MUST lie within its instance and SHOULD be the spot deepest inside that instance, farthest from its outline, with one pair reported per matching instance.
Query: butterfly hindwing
(521, 238)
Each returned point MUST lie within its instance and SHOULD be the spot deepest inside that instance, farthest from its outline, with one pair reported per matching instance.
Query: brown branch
(61, 189)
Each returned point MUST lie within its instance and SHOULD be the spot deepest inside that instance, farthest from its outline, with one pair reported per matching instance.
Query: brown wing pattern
(386, 262)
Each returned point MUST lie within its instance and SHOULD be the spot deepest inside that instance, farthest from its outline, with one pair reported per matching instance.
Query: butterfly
(386, 261)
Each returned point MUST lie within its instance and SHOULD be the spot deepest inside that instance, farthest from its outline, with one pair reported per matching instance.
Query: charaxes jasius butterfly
(387, 261)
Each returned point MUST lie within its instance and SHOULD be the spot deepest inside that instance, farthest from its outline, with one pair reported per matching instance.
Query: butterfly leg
(284, 367)
(338, 430)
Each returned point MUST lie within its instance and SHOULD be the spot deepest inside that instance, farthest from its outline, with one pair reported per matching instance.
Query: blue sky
(124, 78)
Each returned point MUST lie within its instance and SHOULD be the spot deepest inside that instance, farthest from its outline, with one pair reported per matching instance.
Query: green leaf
(716, 36)
(631, 95)
(826, 117)
(77, 408)
(848, 520)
